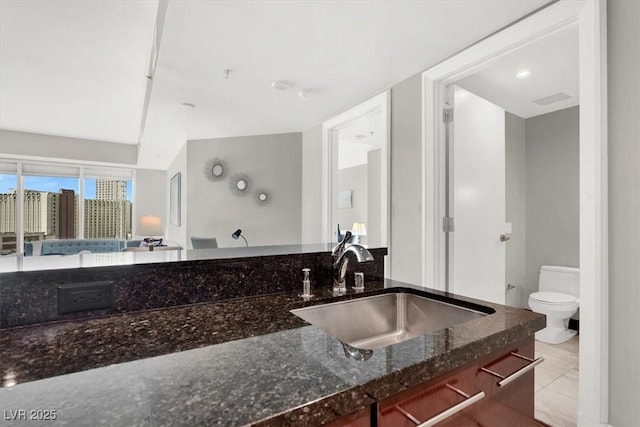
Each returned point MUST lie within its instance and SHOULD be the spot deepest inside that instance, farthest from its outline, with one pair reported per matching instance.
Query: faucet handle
(339, 249)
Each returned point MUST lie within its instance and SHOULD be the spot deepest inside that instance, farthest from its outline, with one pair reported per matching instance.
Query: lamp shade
(150, 225)
(359, 229)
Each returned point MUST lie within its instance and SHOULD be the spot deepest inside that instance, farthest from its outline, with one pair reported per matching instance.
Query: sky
(53, 184)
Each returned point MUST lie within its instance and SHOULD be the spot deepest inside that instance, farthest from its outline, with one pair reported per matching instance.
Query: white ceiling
(359, 137)
(553, 66)
(73, 68)
(78, 68)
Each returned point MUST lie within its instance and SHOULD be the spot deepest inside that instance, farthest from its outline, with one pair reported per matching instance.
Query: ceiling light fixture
(523, 74)
(281, 85)
(306, 93)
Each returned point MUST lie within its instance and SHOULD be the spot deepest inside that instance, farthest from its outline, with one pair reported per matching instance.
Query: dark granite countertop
(245, 361)
(19, 263)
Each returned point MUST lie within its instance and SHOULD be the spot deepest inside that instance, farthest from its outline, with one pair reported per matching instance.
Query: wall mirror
(356, 162)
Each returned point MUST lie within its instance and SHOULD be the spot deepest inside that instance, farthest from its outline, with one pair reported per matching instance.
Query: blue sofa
(74, 246)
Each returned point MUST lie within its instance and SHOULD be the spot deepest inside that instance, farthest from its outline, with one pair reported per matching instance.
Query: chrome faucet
(341, 260)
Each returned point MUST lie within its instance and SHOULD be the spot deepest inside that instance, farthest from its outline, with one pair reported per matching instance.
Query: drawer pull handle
(517, 374)
(441, 416)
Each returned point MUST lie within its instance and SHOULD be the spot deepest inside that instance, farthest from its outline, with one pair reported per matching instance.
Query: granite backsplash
(31, 297)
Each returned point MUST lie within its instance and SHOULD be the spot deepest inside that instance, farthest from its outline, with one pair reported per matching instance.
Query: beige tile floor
(556, 383)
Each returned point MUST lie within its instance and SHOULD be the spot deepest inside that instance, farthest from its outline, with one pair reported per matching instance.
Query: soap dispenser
(306, 284)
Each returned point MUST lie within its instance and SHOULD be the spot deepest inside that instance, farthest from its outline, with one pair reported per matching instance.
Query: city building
(49, 215)
(108, 189)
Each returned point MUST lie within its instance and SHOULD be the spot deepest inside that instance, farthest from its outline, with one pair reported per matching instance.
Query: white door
(477, 198)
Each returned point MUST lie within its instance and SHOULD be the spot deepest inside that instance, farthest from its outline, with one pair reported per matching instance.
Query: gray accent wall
(552, 192)
(272, 162)
(542, 197)
(311, 199)
(624, 210)
(516, 210)
(405, 247)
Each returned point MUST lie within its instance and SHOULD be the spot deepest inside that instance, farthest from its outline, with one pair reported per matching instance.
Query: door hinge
(447, 115)
(448, 225)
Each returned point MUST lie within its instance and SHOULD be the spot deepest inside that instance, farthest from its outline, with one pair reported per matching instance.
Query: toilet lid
(553, 297)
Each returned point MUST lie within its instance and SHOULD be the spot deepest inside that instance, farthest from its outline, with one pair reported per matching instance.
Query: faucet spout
(341, 260)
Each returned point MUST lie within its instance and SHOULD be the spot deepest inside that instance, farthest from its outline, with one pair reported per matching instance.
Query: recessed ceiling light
(306, 93)
(281, 85)
(187, 105)
(523, 74)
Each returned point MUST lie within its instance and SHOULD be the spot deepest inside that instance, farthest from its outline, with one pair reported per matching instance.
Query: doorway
(514, 195)
(589, 19)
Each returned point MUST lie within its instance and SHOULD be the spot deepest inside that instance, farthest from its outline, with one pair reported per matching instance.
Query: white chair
(204, 242)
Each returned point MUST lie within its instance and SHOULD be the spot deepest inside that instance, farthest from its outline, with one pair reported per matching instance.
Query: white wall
(406, 176)
(311, 223)
(150, 197)
(63, 148)
(353, 179)
(516, 187)
(178, 233)
(553, 192)
(624, 211)
(272, 162)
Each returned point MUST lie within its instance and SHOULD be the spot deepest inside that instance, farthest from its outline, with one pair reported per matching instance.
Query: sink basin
(381, 320)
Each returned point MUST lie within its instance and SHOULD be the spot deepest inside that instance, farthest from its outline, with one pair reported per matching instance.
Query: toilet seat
(553, 298)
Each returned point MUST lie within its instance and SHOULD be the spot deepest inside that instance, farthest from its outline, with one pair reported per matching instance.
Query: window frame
(43, 168)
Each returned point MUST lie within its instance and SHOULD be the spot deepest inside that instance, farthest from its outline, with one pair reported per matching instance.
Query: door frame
(589, 17)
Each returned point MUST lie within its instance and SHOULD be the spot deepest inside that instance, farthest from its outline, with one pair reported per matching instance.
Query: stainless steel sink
(382, 320)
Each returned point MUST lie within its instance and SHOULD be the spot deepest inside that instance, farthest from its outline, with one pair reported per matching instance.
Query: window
(107, 208)
(63, 201)
(8, 195)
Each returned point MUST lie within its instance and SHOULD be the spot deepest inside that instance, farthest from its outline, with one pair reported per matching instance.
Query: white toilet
(558, 300)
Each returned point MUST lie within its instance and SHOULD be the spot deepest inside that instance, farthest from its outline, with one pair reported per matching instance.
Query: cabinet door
(360, 418)
(512, 402)
(450, 399)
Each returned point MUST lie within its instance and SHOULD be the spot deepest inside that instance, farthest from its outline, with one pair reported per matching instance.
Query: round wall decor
(214, 169)
(239, 184)
(262, 196)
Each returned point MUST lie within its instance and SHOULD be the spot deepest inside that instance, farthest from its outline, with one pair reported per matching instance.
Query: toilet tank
(560, 279)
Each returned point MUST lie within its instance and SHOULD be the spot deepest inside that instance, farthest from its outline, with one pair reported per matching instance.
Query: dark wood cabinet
(495, 390)
(425, 401)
